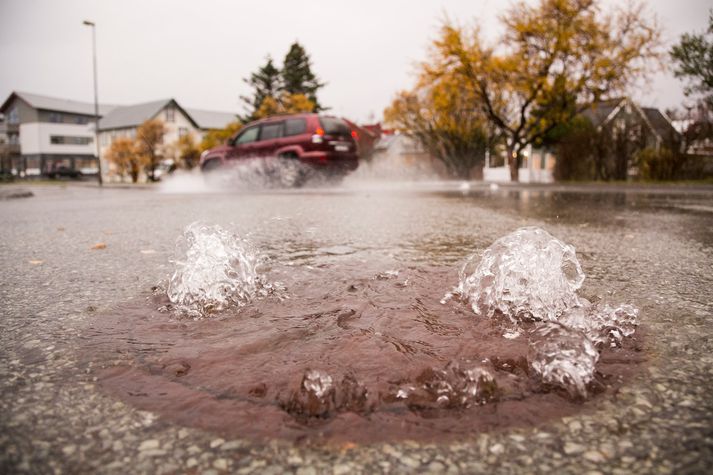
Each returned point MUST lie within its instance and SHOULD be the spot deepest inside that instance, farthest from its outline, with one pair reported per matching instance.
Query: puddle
(349, 352)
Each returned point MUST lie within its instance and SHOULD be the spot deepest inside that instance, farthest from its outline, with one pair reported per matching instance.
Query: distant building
(41, 134)
(178, 122)
(44, 134)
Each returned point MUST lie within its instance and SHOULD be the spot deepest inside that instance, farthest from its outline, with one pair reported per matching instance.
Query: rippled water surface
(357, 344)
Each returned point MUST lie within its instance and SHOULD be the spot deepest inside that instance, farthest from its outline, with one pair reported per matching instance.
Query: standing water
(360, 351)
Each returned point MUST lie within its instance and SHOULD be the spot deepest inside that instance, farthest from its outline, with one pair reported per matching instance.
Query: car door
(270, 135)
(245, 143)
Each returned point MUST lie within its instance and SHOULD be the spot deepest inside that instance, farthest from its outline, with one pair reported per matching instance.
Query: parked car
(64, 171)
(325, 143)
(165, 167)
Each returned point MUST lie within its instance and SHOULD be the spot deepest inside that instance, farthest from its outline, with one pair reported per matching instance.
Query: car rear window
(334, 126)
(271, 131)
(295, 127)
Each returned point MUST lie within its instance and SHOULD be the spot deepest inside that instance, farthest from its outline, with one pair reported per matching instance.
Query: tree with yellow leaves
(125, 158)
(149, 138)
(216, 137)
(188, 152)
(555, 59)
(439, 114)
(284, 103)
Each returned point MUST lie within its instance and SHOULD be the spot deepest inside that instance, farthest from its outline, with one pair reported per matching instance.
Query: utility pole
(96, 100)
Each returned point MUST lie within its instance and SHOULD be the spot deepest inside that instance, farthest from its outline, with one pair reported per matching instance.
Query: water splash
(602, 324)
(452, 387)
(317, 383)
(260, 173)
(247, 174)
(563, 357)
(215, 269)
(528, 274)
(318, 397)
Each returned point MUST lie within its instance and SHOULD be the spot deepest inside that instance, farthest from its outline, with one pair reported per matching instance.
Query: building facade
(41, 135)
(45, 135)
(178, 122)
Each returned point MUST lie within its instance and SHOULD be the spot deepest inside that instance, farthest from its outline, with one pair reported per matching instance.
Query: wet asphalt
(70, 252)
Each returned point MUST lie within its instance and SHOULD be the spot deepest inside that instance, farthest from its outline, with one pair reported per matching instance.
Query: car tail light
(318, 136)
(355, 135)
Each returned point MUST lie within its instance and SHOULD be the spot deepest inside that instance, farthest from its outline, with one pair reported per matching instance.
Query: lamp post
(96, 99)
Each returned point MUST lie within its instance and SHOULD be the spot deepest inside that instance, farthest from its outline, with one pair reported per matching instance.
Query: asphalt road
(68, 254)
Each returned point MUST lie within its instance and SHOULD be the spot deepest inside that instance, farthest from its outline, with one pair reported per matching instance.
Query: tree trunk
(514, 165)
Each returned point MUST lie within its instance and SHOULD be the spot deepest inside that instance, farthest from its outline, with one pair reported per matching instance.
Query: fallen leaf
(99, 245)
(60, 229)
(347, 446)
(35, 262)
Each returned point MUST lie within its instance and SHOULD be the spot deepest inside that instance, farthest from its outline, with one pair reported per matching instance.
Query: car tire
(292, 173)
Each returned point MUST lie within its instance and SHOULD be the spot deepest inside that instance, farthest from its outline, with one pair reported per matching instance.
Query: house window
(80, 119)
(170, 114)
(55, 117)
(182, 131)
(13, 117)
(14, 139)
(70, 140)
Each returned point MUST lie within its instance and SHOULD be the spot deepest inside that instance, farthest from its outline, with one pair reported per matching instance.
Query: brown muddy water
(373, 325)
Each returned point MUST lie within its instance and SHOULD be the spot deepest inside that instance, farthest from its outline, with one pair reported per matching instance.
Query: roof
(660, 122)
(211, 119)
(599, 112)
(132, 116)
(38, 101)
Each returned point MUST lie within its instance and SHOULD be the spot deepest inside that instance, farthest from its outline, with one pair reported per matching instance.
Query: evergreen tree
(297, 75)
(693, 60)
(265, 82)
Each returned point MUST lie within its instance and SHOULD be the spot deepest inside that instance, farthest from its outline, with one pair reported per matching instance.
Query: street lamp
(96, 99)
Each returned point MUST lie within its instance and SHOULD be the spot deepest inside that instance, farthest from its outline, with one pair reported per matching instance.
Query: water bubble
(602, 324)
(214, 270)
(452, 387)
(317, 383)
(563, 357)
(528, 274)
(319, 397)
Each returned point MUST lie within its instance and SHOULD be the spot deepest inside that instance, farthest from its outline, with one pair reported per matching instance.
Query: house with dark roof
(653, 127)
(622, 129)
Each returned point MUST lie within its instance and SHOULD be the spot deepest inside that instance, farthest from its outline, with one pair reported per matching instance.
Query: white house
(46, 134)
(178, 122)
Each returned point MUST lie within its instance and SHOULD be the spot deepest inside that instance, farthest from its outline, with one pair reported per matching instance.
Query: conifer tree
(265, 82)
(297, 75)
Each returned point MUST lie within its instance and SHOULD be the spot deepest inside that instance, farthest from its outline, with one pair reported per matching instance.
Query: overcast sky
(198, 51)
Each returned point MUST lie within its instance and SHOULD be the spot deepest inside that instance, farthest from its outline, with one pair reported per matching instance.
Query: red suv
(325, 142)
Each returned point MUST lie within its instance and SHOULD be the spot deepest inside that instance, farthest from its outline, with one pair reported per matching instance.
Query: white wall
(525, 175)
(170, 138)
(35, 138)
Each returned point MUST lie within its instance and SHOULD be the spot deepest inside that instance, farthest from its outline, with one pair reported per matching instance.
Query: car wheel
(211, 165)
(292, 173)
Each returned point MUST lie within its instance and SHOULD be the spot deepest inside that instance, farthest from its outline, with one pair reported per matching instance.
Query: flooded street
(99, 373)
